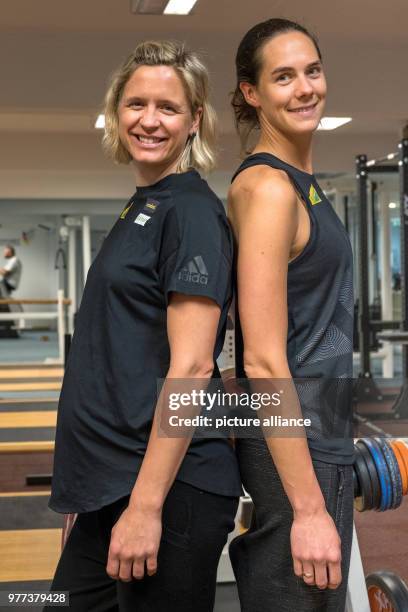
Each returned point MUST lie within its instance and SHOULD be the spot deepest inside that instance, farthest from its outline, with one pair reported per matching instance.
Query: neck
(149, 174)
(296, 151)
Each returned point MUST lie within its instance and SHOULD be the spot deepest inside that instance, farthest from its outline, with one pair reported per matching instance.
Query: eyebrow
(142, 99)
(290, 68)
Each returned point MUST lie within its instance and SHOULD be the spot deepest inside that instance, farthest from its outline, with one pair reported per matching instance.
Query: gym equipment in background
(366, 389)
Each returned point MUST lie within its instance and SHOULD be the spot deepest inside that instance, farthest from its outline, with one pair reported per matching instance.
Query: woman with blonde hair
(154, 510)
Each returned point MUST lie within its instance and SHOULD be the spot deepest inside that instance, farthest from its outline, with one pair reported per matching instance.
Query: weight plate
(403, 450)
(356, 484)
(393, 468)
(387, 592)
(382, 471)
(372, 470)
(365, 500)
(401, 466)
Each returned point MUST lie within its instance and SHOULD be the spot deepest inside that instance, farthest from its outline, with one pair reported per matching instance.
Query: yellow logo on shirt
(314, 196)
(126, 210)
(151, 205)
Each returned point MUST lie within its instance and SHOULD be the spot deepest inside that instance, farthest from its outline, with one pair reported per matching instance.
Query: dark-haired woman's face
(291, 89)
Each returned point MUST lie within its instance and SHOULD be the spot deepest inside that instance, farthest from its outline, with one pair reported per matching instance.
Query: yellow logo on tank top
(126, 210)
(314, 196)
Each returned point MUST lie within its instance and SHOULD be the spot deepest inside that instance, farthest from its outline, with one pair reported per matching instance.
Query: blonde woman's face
(154, 115)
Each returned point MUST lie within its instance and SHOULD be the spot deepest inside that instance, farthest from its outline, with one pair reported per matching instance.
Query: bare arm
(192, 326)
(263, 210)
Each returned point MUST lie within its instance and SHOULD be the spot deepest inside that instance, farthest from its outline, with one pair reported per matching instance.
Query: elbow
(257, 365)
(192, 368)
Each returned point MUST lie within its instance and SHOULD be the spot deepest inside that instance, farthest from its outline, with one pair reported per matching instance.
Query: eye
(315, 71)
(168, 108)
(135, 104)
(284, 77)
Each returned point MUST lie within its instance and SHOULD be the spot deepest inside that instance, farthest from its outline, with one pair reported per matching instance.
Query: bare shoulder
(256, 188)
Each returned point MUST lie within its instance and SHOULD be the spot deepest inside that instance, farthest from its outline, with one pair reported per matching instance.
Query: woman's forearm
(164, 454)
(290, 454)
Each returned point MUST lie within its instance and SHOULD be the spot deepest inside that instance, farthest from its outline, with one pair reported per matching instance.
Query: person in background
(10, 275)
(11, 271)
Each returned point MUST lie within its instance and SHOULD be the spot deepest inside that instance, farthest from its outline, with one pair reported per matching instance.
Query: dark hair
(11, 248)
(248, 66)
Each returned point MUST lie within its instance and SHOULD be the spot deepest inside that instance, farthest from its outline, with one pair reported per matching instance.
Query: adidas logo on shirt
(195, 271)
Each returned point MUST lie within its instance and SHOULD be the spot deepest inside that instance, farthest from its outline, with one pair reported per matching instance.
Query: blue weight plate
(393, 468)
(382, 471)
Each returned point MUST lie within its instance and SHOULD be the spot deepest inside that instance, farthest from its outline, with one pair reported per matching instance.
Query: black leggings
(195, 528)
(262, 559)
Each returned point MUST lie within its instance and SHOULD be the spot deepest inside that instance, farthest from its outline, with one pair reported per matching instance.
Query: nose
(304, 87)
(149, 119)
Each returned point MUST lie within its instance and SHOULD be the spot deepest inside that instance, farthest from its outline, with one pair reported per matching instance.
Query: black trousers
(195, 528)
(261, 557)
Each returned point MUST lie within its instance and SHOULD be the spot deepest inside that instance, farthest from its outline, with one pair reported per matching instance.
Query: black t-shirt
(171, 236)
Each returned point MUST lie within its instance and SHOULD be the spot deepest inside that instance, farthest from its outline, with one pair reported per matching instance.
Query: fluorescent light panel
(162, 7)
(331, 123)
(179, 7)
(100, 122)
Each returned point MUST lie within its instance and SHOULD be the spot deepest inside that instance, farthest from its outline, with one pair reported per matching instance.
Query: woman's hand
(316, 549)
(135, 540)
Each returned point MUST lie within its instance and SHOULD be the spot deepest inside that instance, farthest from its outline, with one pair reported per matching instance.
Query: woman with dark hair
(154, 508)
(295, 313)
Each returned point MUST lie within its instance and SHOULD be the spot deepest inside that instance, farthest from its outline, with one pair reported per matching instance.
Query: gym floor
(30, 532)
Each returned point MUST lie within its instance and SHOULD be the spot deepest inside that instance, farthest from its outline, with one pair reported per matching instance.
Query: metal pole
(86, 245)
(373, 282)
(403, 166)
(346, 213)
(72, 277)
(363, 306)
(61, 324)
(386, 279)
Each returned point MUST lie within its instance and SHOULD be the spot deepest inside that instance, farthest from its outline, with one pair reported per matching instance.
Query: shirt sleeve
(196, 256)
(10, 265)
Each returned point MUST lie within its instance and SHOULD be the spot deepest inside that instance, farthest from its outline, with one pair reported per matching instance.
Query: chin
(148, 158)
(306, 127)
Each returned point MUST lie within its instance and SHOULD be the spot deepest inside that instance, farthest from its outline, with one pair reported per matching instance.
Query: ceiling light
(331, 123)
(371, 163)
(100, 122)
(391, 155)
(392, 205)
(179, 7)
(148, 7)
(162, 7)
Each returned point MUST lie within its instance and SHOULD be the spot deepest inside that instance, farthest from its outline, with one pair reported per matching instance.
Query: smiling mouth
(303, 109)
(149, 140)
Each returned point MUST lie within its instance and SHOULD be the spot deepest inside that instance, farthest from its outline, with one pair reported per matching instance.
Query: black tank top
(320, 320)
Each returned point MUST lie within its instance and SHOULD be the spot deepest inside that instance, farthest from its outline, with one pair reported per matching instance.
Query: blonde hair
(199, 151)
